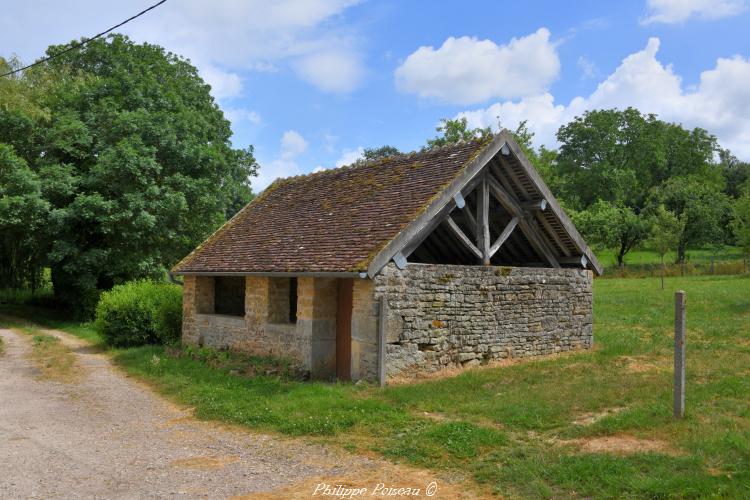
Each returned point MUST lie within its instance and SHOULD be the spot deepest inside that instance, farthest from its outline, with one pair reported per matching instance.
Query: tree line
(115, 162)
(629, 179)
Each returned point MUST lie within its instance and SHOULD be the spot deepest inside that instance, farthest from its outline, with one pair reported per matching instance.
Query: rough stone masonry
(446, 316)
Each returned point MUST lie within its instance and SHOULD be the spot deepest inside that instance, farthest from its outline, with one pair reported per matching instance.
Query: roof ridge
(375, 161)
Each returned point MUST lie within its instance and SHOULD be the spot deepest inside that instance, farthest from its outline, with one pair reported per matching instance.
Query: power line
(81, 44)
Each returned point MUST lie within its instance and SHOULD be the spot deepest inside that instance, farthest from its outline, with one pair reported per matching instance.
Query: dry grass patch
(593, 417)
(622, 444)
(409, 377)
(54, 359)
(646, 364)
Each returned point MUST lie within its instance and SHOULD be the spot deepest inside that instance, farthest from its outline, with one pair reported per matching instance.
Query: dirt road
(107, 436)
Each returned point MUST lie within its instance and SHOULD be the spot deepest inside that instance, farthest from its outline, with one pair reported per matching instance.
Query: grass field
(590, 424)
(643, 256)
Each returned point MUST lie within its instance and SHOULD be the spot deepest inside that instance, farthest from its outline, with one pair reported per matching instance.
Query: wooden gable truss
(498, 211)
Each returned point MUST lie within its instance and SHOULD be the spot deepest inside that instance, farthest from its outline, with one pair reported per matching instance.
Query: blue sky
(311, 82)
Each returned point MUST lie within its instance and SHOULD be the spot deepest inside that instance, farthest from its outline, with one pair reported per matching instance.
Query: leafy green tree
(606, 225)
(452, 131)
(736, 173)
(378, 153)
(741, 221)
(665, 234)
(702, 208)
(134, 157)
(620, 155)
(23, 217)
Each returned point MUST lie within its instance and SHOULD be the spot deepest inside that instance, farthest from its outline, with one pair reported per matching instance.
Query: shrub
(168, 320)
(140, 312)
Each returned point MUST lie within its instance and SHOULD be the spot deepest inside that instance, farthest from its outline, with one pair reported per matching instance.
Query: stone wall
(445, 316)
(263, 330)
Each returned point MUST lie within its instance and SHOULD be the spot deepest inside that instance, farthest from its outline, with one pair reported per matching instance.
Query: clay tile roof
(331, 221)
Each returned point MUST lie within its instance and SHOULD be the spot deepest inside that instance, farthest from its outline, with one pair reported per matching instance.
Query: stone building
(449, 257)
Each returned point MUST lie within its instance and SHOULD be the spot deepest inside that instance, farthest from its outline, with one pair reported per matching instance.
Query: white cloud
(258, 35)
(467, 70)
(224, 84)
(223, 38)
(678, 11)
(349, 156)
(333, 71)
(292, 145)
(588, 68)
(237, 115)
(719, 103)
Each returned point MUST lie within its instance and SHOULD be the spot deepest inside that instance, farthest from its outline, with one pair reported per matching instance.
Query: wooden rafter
(503, 236)
(512, 206)
(554, 206)
(551, 231)
(462, 237)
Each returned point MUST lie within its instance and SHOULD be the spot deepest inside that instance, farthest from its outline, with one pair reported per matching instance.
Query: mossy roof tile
(331, 221)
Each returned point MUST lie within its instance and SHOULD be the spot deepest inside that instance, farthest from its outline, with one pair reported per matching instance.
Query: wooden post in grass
(679, 354)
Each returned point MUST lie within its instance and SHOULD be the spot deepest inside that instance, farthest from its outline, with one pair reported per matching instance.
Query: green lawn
(526, 430)
(643, 256)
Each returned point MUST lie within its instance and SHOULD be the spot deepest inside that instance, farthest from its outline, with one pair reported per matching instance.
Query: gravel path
(108, 436)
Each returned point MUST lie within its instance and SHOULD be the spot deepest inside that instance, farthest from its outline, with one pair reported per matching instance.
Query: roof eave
(276, 274)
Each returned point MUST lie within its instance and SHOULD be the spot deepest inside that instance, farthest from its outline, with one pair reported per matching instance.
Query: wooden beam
(503, 236)
(459, 199)
(553, 205)
(483, 224)
(551, 231)
(508, 168)
(537, 242)
(505, 198)
(535, 205)
(416, 228)
(400, 260)
(515, 209)
(579, 260)
(462, 237)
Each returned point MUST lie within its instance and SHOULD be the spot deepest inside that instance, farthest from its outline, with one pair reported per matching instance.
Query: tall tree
(136, 161)
(607, 225)
(619, 156)
(702, 208)
(735, 172)
(741, 220)
(665, 235)
(23, 218)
